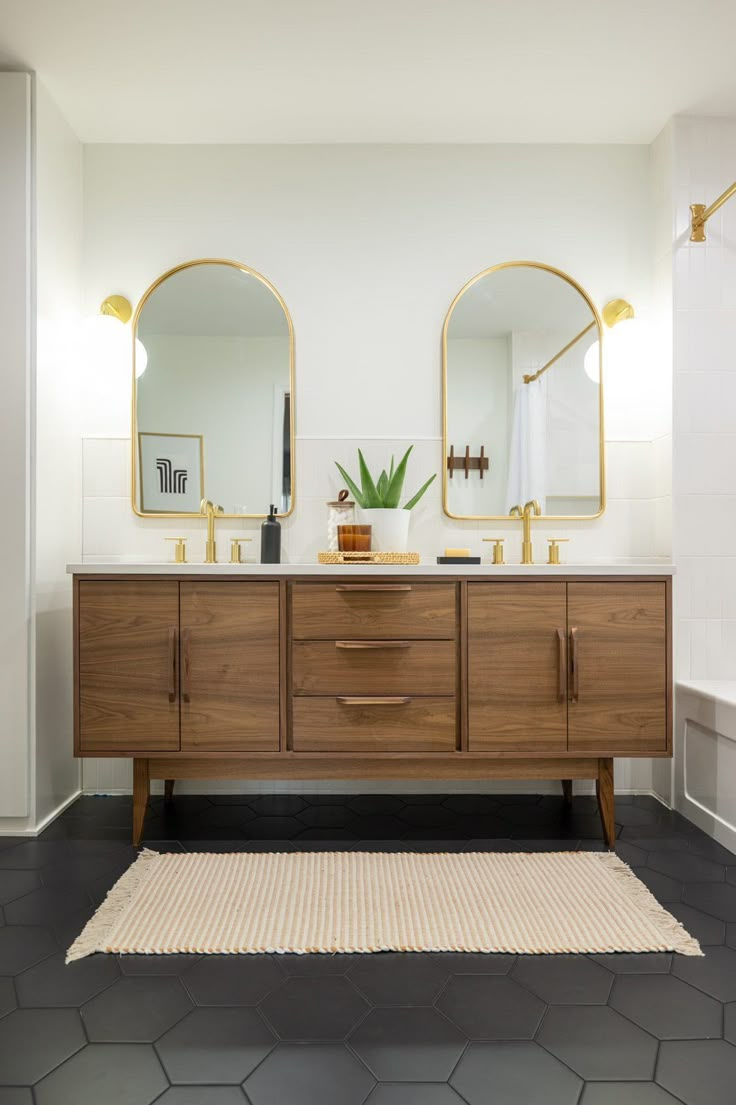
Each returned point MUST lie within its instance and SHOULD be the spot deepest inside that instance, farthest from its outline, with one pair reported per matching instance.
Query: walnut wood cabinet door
(517, 667)
(128, 679)
(230, 666)
(618, 667)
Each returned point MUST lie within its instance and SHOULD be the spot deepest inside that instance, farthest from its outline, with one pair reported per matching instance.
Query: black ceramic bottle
(271, 539)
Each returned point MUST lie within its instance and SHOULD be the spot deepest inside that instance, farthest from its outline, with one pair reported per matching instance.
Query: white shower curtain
(528, 449)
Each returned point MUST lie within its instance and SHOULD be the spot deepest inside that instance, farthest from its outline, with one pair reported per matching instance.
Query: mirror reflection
(213, 409)
(522, 401)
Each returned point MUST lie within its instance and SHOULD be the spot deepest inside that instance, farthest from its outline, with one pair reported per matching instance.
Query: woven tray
(368, 557)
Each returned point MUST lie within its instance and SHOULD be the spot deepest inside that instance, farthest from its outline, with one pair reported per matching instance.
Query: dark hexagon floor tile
(53, 983)
(223, 817)
(83, 870)
(317, 963)
(634, 963)
(412, 1093)
(381, 826)
(34, 854)
(475, 963)
(371, 805)
(135, 1010)
(686, 867)
(217, 1046)
(202, 1095)
(15, 883)
(321, 1008)
(399, 978)
(21, 946)
(343, 836)
(698, 1072)
(326, 817)
(273, 828)
(36, 908)
(68, 928)
(34, 1041)
(427, 817)
(632, 1093)
(277, 805)
(7, 996)
(491, 844)
(667, 1007)
(715, 974)
(564, 979)
(635, 816)
(309, 1074)
(156, 964)
(705, 929)
(116, 1074)
(598, 1043)
(729, 1022)
(703, 845)
(232, 979)
(662, 887)
(716, 898)
(408, 1045)
(15, 1095)
(472, 803)
(491, 1007)
(512, 1073)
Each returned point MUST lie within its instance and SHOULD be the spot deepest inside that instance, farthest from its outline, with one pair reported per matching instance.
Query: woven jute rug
(536, 903)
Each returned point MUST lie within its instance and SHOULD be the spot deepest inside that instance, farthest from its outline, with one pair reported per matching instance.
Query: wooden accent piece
(374, 667)
(514, 667)
(231, 632)
(361, 724)
(606, 801)
(619, 680)
(351, 611)
(127, 666)
(141, 794)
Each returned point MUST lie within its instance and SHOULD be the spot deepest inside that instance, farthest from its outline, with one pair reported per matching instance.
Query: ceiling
(375, 70)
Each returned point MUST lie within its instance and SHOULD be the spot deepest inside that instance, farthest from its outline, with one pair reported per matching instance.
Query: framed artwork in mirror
(171, 470)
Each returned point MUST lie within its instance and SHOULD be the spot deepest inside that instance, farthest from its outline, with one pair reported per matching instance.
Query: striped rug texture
(239, 902)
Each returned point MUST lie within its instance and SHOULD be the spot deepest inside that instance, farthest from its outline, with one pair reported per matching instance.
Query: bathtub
(705, 756)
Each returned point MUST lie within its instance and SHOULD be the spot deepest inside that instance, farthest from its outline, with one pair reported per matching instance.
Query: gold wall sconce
(117, 306)
(699, 214)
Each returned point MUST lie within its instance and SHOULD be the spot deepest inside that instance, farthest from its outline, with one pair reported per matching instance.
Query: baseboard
(36, 830)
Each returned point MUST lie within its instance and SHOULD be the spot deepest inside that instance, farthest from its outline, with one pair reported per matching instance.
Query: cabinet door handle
(561, 666)
(373, 587)
(574, 664)
(372, 644)
(186, 674)
(172, 664)
(388, 701)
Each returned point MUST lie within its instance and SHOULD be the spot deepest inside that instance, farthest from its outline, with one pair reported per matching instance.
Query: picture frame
(171, 472)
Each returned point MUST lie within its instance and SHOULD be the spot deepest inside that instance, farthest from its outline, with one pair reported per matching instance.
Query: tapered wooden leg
(567, 791)
(141, 793)
(168, 789)
(606, 804)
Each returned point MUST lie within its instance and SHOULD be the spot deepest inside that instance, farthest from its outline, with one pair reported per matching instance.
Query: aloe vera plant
(385, 492)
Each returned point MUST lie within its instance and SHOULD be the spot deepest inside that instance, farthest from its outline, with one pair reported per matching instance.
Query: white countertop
(604, 568)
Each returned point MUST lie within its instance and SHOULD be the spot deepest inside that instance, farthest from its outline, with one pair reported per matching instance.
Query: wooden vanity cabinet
(373, 677)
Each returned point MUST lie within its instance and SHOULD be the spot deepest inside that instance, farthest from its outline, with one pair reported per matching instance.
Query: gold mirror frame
(445, 444)
(134, 421)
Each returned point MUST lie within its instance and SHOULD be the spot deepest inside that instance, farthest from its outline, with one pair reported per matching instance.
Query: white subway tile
(106, 466)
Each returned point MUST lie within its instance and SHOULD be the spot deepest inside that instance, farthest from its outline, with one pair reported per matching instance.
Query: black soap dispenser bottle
(271, 539)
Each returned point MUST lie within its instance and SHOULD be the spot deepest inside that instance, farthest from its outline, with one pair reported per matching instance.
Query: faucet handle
(235, 543)
(497, 549)
(554, 548)
(180, 549)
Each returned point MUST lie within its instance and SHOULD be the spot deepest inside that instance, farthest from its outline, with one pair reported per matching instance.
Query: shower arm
(700, 214)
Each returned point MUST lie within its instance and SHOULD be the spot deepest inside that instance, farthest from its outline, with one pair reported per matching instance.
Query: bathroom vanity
(429, 672)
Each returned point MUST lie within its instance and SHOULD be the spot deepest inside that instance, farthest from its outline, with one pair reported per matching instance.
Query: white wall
(368, 246)
(16, 708)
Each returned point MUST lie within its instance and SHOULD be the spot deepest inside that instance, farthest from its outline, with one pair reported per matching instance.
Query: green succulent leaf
(413, 502)
(382, 485)
(396, 483)
(354, 489)
(370, 492)
(391, 471)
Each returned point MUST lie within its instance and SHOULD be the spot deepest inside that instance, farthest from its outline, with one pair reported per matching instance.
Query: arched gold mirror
(213, 404)
(523, 396)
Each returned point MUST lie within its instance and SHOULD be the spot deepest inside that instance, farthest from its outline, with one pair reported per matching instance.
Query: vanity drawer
(325, 611)
(363, 724)
(373, 667)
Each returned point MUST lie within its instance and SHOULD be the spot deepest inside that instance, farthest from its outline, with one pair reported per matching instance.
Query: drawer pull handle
(574, 664)
(186, 681)
(172, 664)
(373, 587)
(394, 701)
(562, 667)
(372, 644)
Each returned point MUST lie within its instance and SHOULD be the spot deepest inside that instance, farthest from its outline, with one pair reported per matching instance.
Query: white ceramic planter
(390, 532)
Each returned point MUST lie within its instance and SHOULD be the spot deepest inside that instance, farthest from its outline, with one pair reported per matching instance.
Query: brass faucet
(210, 511)
(529, 510)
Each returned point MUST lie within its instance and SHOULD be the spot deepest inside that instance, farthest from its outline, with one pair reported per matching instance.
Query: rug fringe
(676, 936)
(94, 935)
